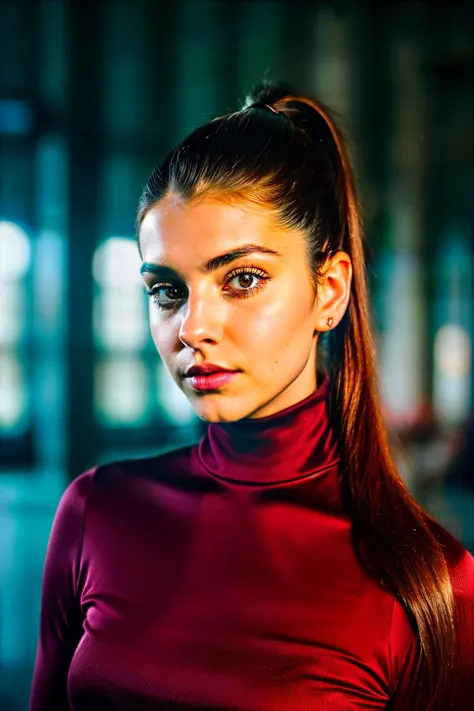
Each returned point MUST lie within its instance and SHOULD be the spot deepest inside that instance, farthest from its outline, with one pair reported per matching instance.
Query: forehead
(173, 229)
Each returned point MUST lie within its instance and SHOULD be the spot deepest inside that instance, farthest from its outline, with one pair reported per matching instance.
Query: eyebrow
(216, 262)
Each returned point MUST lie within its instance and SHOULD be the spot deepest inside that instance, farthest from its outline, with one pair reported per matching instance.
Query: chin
(217, 414)
(214, 418)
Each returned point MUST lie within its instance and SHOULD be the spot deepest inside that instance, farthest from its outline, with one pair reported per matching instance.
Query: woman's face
(256, 314)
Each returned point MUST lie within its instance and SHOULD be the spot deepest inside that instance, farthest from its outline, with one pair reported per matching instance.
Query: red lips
(207, 369)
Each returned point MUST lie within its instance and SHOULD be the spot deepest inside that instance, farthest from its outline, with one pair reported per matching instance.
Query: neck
(290, 444)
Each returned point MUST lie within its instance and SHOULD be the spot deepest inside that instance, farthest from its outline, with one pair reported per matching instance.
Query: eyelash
(239, 293)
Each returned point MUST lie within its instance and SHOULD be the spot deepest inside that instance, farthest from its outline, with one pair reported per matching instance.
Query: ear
(334, 290)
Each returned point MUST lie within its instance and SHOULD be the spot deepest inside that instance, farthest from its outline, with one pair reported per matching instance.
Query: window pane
(15, 252)
(122, 391)
(120, 314)
(13, 394)
(117, 263)
(452, 373)
(12, 313)
(120, 318)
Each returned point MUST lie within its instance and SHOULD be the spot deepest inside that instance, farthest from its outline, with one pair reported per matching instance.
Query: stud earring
(330, 321)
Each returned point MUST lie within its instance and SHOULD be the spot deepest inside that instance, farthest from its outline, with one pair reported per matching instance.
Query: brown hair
(284, 150)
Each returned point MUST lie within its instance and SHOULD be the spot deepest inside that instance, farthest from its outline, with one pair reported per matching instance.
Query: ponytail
(392, 534)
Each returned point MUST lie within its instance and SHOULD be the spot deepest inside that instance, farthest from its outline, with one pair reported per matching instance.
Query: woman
(280, 563)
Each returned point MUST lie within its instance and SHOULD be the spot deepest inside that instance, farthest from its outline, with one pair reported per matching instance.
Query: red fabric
(222, 576)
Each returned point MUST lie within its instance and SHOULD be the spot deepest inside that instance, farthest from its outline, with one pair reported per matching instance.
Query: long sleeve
(461, 569)
(61, 617)
(462, 578)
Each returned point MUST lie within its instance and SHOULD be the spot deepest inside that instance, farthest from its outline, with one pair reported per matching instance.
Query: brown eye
(241, 278)
(244, 276)
(172, 295)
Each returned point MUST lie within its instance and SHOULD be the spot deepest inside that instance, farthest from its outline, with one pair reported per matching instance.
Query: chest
(231, 609)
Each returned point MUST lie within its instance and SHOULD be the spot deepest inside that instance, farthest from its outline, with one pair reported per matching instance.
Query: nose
(202, 321)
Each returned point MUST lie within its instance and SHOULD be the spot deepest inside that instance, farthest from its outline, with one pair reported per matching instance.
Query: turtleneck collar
(288, 445)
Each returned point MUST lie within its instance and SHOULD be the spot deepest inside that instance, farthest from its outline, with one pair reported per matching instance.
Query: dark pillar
(85, 165)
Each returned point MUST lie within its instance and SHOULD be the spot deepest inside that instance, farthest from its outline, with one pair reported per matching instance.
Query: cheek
(276, 329)
(274, 350)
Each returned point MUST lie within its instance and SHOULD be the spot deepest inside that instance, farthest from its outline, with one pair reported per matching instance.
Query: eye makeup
(249, 271)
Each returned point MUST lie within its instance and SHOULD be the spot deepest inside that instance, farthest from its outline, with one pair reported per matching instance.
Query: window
(15, 261)
(120, 334)
(453, 310)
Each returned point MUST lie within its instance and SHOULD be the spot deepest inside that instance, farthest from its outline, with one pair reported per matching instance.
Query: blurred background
(91, 97)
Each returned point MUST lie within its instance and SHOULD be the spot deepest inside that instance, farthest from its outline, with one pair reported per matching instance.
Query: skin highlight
(264, 322)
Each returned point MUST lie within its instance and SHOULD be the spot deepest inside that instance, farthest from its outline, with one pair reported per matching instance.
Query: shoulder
(114, 481)
(404, 642)
(124, 474)
(461, 572)
(74, 497)
(460, 563)
(169, 461)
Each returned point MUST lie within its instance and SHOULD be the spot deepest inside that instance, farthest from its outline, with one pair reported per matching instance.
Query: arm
(461, 568)
(61, 616)
(404, 650)
(462, 576)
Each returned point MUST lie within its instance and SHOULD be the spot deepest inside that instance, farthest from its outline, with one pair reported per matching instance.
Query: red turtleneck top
(222, 576)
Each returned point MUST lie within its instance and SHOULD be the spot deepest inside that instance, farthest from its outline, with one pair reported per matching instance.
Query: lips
(212, 381)
(207, 369)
